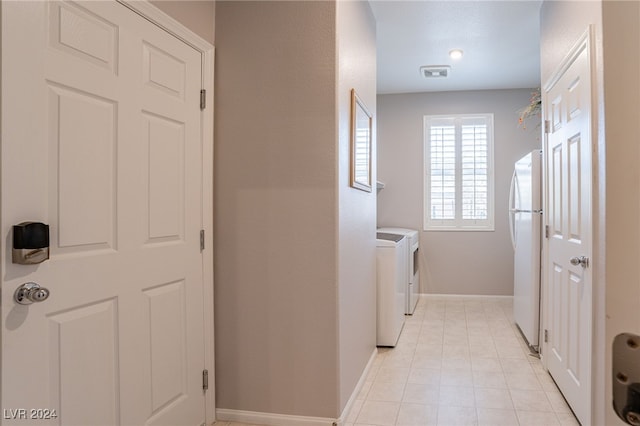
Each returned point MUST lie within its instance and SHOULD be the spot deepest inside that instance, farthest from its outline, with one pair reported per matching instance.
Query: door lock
(29, 293)
(580, 260)
(30, 243)
(626, 377)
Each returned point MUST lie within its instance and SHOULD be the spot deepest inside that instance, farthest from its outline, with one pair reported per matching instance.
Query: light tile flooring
(459, 361)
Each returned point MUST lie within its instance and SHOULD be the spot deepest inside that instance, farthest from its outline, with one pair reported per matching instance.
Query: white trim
(270, 419)
(175, 28)
(463, 297)
(207, 225)
(584, 42)
(354, 395)
(167, 23)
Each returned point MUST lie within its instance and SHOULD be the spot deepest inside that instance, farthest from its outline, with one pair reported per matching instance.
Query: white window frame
(458, 223)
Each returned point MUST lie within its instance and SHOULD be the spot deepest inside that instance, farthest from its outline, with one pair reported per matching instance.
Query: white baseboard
(464, 296)
(271, 419)
(354, 395)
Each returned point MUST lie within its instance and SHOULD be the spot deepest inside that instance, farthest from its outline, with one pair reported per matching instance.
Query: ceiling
(500, 40)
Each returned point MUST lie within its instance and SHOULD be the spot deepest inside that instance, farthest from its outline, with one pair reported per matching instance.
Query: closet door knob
(580, 260)
(29, 293)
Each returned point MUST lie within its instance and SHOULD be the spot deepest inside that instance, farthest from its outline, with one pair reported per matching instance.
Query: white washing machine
(413, 274)
(391, 255)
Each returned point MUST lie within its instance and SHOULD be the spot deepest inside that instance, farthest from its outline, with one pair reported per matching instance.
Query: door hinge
(546, 336)
(546, 231)
(547, 126)
(202, 240)
(203, 99)
(205, 379)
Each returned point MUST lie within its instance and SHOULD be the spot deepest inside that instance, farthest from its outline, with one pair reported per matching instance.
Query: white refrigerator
(525, 223)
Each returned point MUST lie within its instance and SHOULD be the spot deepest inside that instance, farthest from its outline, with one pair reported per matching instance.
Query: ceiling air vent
(435, 71)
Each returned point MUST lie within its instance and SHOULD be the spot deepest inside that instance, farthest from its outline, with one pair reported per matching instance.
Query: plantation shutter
(443, 170)
(458, 174)
(475, 169)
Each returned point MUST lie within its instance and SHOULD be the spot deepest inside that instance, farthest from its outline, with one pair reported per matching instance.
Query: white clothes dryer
(413, 267)
(391, 255)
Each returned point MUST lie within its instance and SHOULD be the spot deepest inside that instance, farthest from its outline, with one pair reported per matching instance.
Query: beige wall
(357, 209)
(451, 262)
(198, 16)
(275, 204)
(294, 263)
(621, 35)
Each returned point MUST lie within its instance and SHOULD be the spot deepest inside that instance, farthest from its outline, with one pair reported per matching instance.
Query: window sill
(449, 229)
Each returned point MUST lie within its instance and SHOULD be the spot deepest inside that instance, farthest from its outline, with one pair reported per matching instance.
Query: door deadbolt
(29, 293)
(30, 243)
(626, 377)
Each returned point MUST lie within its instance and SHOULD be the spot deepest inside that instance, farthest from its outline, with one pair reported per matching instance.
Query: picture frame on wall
(361, 134)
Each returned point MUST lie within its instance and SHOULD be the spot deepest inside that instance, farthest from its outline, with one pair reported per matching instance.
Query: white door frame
(170, 25)
(585, 41)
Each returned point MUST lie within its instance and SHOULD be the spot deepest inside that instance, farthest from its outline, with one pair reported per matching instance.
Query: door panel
(80, 33)
(162, 71)
(81, 339)
(558, 299)
(574, 357)
(574, 195)
(569, 291)
(102, 141)
(557, 224)
(165, 175)
(82, 125)
(166, 313)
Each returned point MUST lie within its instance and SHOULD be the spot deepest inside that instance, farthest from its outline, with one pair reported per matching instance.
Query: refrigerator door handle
(512, 210)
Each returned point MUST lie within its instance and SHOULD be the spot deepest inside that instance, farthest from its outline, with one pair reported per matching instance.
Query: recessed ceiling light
(455, 54)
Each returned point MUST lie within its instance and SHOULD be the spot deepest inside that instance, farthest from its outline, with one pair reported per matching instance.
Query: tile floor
(459, 361)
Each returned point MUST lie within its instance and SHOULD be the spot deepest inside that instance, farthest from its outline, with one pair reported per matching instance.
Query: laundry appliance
(413, 274)
(391, 259)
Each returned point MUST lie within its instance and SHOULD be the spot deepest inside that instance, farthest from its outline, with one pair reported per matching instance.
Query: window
(458, 172)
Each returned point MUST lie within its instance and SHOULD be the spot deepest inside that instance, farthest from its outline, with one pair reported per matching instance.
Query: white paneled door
(101, 139)
(568, 216)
